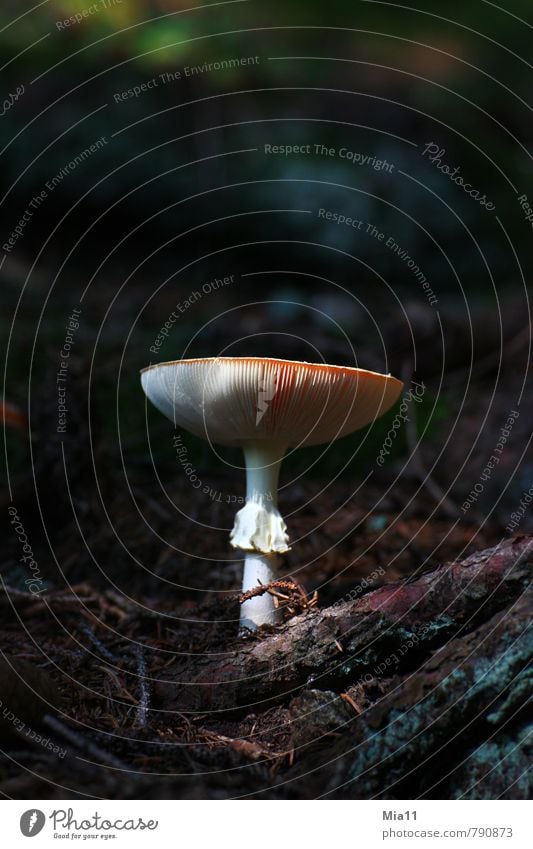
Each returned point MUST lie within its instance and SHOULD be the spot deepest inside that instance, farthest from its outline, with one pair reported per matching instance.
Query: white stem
(260, 530)
(259, 525)
(263, 461)
(260, 610)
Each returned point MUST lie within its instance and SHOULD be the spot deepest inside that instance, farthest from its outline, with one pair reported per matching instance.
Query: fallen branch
(455, 728)
(387, 631)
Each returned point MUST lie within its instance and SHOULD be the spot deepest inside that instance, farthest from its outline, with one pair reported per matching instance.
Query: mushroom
(265, 406)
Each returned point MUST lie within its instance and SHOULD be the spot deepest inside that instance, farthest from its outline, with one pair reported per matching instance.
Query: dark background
(182, 193)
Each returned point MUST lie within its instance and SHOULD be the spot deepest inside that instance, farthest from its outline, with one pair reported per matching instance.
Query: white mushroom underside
(228, 400)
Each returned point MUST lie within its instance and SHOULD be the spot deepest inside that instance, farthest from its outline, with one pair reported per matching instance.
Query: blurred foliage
(379, 51)
(141, 25)
(377, 75)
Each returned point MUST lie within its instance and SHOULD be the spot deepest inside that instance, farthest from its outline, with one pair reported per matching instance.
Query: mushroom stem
(259, 526)
(259, 610)
(260, 530)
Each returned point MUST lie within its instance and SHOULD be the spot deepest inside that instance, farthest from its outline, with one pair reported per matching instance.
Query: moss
(496, 769)
(458, 708)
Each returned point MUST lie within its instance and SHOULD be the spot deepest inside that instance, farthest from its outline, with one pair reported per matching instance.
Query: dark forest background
(180, 193)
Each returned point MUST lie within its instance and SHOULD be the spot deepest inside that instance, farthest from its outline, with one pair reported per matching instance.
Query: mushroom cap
(234, 400)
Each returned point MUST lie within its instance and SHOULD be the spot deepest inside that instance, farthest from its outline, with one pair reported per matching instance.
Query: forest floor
(400, 670)
(406, 680)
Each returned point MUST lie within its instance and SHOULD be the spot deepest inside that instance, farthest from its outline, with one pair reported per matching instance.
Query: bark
(418, 689)
(455, 728)
(387, 633)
